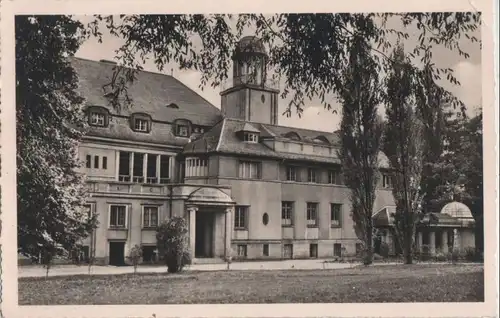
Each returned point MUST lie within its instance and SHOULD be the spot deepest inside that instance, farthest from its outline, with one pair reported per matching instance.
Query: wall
(134, 234)
(260, 111)
(233, 104)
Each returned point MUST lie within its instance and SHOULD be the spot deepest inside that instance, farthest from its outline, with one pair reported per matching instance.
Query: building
(248, 187)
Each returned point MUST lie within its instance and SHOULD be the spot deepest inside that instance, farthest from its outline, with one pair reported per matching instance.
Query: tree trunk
(408, 242)
(368, 259)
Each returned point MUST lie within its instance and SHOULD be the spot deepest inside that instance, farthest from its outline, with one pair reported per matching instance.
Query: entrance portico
(209, 213)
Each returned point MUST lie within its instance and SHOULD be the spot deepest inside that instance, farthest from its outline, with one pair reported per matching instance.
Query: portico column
(228, 233)
(445, 241)
(432, 242)
(419, 241)
(192, 229)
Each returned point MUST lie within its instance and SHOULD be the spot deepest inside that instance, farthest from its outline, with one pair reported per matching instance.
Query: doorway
(117, 253)
(204, 236)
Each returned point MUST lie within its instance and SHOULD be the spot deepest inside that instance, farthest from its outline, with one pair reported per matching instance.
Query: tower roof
(251, 44)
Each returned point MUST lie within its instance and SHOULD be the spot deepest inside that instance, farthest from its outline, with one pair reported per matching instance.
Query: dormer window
(292, 135)
(182, 131)
(97, 119)
(98, 116)
(141, 122)
(173, 105)
(251, 137)
(141, 125)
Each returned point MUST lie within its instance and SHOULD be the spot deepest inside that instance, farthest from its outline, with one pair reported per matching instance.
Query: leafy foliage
(173, 245)
(361, 131)
(404, 147)
(461, 168)
(50, 191)
(308, 60)
(135, 256)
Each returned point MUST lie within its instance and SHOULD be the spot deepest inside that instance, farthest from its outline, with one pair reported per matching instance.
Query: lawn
(391, 283)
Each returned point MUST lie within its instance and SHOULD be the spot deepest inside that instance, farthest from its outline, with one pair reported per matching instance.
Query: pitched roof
(150, 92)
(223, 138)
(223, 135)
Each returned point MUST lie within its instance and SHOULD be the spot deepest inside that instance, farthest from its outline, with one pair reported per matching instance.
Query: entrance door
(117, 253)
(204, 234)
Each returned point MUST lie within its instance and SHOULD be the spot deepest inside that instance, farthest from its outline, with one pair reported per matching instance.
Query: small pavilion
(450, 229)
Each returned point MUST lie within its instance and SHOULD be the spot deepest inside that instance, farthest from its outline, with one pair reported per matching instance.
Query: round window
(265, 218)
(263, 98)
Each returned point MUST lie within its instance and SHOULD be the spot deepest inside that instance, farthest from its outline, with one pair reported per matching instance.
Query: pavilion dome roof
(457, 210)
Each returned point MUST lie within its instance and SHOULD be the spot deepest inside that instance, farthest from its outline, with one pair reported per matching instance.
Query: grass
(391, 283)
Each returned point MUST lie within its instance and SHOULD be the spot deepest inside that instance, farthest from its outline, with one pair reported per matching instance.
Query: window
(118, 216)
(242, 250)
(312, 175)
(105, 163)
(265, 219)
(138, 171)
(286, 213)
(97, 119)
(335, 214)
(196, 167)
(151, 169)
(240, 217)
(96, 162)
(291, 174)
(88, 161)
(265, 249)
(288, 251)
(182, 130)
(249, 170)
(312, 214)
(250, 137)
(313, 250)
(334, 177)
(164, 169)
(386, 181)
(141, 124)
(150, 217)
(337, 250)
(124, 166)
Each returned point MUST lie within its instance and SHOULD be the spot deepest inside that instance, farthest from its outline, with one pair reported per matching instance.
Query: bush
(135, 256)
(441, 257)
(172, 242)
(425, 255)
(384, 250)
(472, 254)
(455, 256)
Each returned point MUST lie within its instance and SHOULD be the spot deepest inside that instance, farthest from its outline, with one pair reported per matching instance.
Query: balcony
(252, 80)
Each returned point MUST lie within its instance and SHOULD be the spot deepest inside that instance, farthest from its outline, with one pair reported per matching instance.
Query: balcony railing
(250, 79)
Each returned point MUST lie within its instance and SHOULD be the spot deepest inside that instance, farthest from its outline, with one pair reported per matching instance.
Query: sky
(314, 116)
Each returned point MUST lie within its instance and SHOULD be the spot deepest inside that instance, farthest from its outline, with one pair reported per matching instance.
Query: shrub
(472, 254)
(441, 257)
(172, 242)
(384, 250)
(135, 256)
(425, 255)
(455, 256)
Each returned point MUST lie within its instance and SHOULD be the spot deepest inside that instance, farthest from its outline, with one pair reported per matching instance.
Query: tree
(50, 191)
(172, 242)
(404, 146)
(461, 166)
(135, 256)
(361, 131)
(308, 60)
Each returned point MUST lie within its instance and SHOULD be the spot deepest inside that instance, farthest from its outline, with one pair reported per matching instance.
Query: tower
(250, 95)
